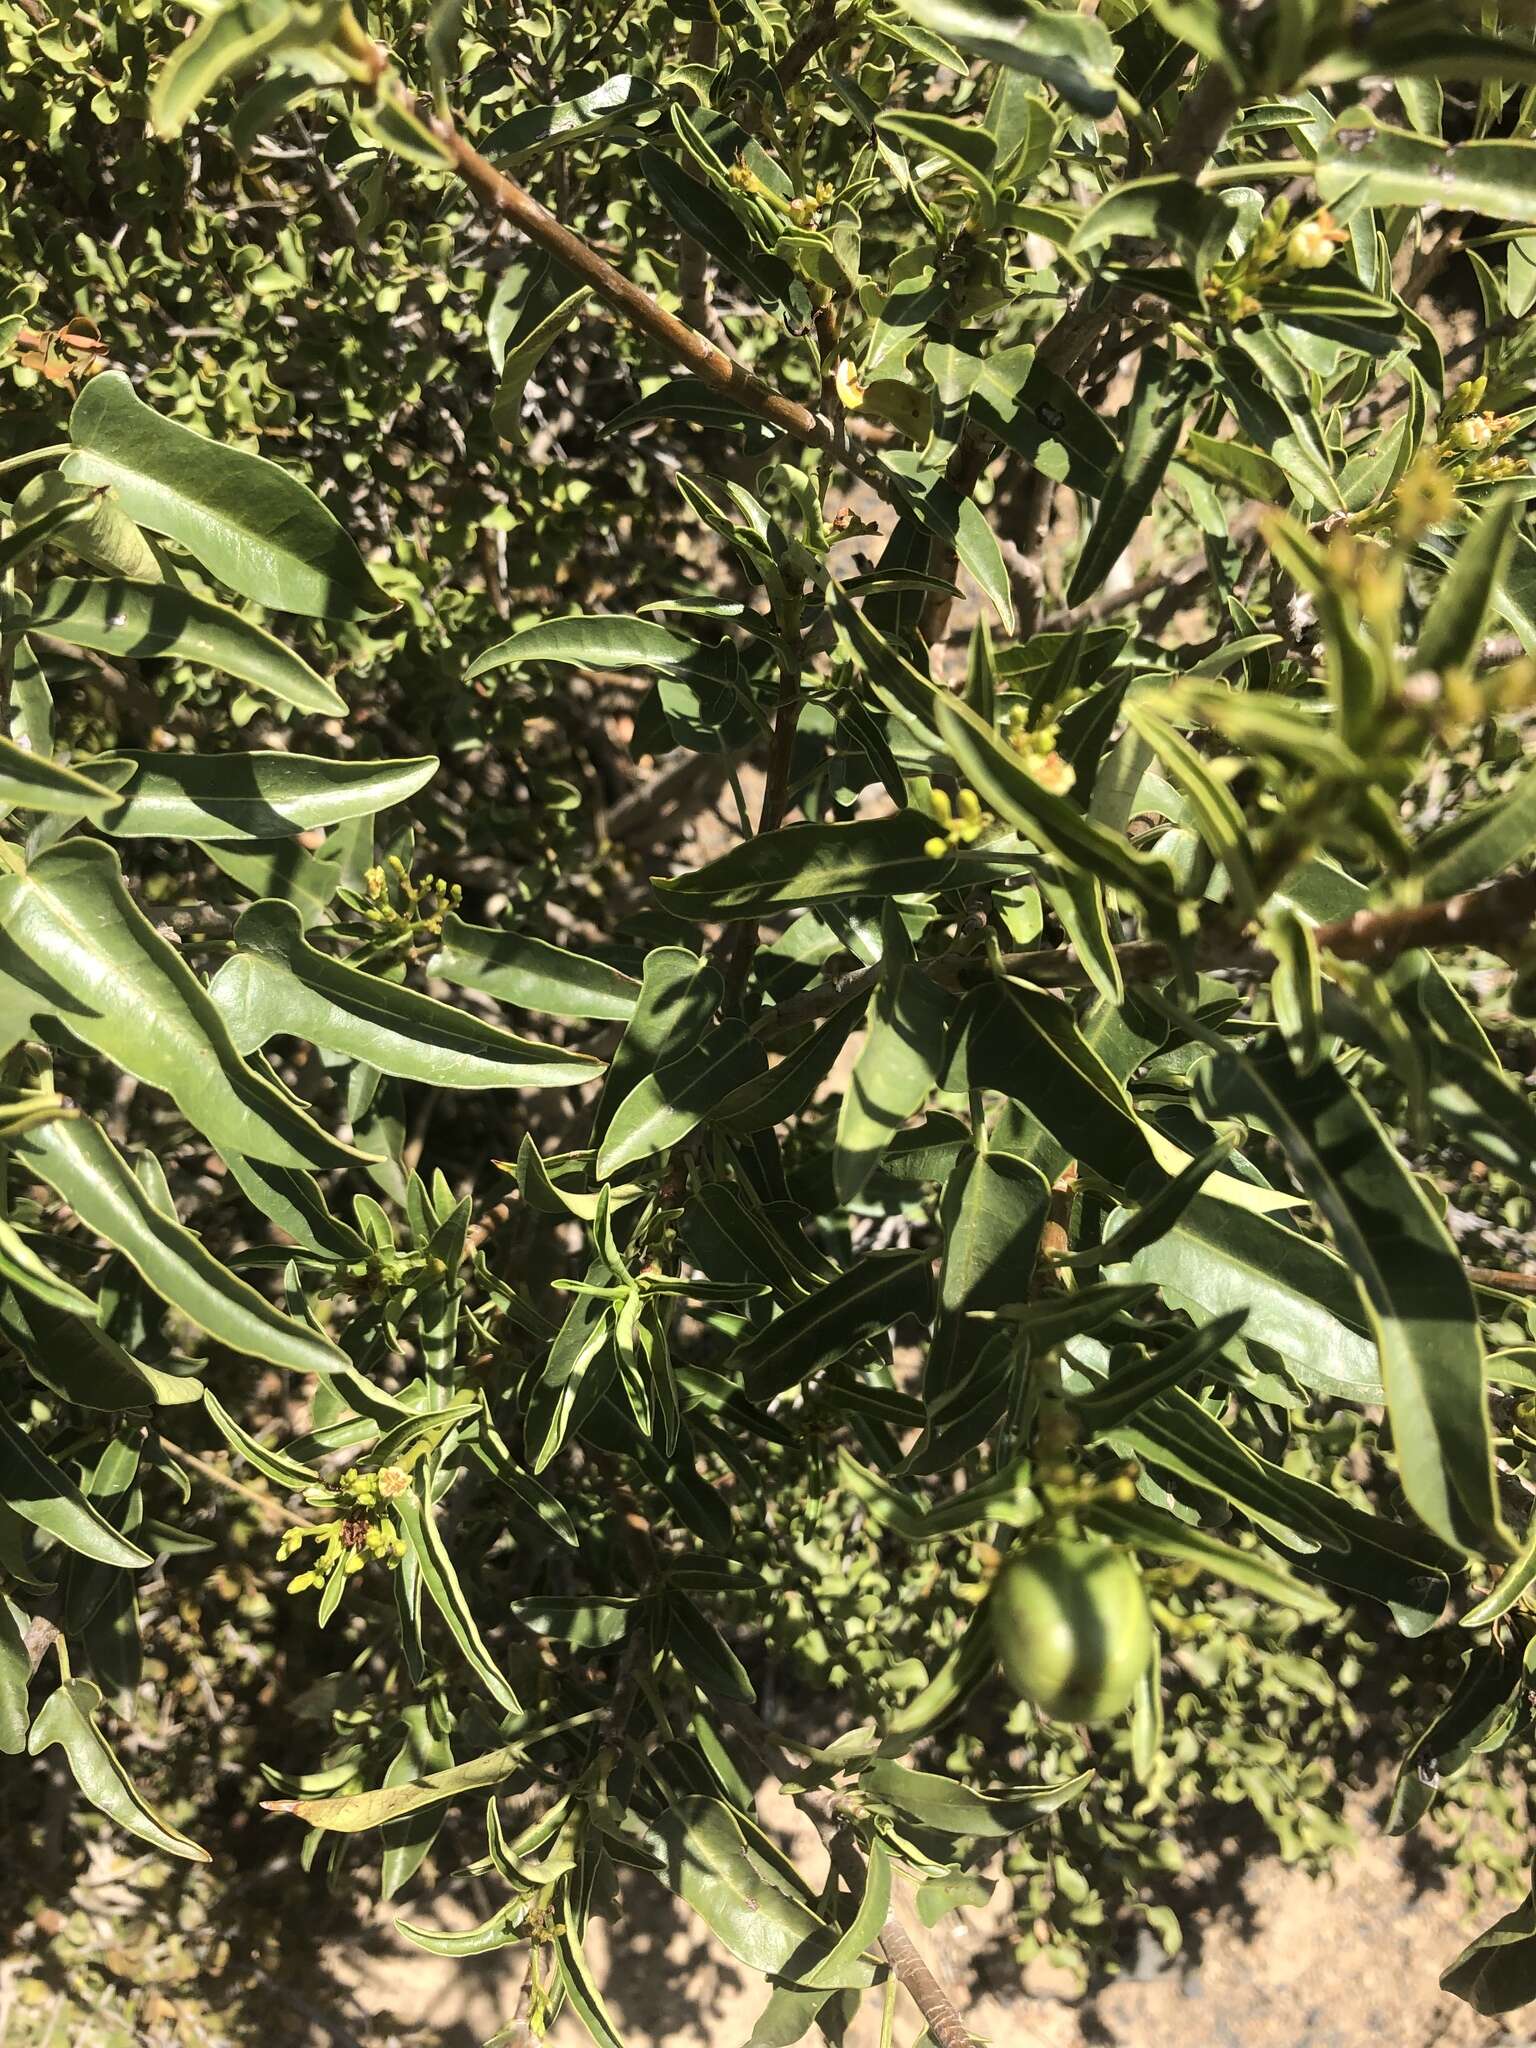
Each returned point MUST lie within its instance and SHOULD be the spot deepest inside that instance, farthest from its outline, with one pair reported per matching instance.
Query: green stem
(36, 455)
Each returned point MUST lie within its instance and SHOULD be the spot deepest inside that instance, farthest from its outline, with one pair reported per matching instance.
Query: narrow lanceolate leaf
(1297, 1297)
(218, 797)
(1411, 1280)
(68, 1718)
(43, 1493)
(956, 1809)
(79, 1360)
(354, 1813)
(1025, 1044)
(15, 1677)
(31, 782)
(226, 43)
(249, 523)
(679, 994)
(1005, 785)
(597, 640)
(544, 320)
(20, 1267)
(1213, 810)
(1147, 1528)
(863, 1929)
(897, 1069)
(29, 528)
(1484, 842)
(79, 1162)
(276, 982)
(822, 864)
(1453, 626)
(668, 1104)
(531, 974)
(581, 1987)
(708, 217)
(156, 622)
(533, 130)
(826, 1326)
(1395, 167)
(1069, 51)
(1153, 422)
(444, 1589)
(940, 510)
(738, 1894)
(80, 952)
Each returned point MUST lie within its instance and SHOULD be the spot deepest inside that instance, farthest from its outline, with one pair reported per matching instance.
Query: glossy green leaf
(666, 1105)
(79, 1162)
(68, 1717)
(42, 1493)
(218, 797)
(1483, 843)
(897, 1069)
(30, 527)
(1141, 1527)
(769, 1099)
(817, 1332)
(713, 1868)
(276, 983)
(1395, 167)
(547, 311)
(1496, 1973)
(956, 1809)
(67, 1349)
(804, 864)
(531, 974)
(248, 522)
(702, 212)
(863, 1928)
(1071, 52)
(1454, 624)
(1491, 1676)
(32, 782)
(679, 995)
(15, 1676)
(1149, 434)
(1003, 782)
(1025, 1043)
(95, 528)
(79, 952)
(226, 43)
(441, 1581)
(354, 1813)
(1411, 1281)
(533, 130)
(940, 510)
(993, 1210)
(157, 622)
(597, 640)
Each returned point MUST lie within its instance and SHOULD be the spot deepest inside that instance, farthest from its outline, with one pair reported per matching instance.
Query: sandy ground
(1289, 1963)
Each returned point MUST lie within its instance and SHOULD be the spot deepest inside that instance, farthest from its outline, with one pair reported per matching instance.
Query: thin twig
(272, 1509)
(678, 341)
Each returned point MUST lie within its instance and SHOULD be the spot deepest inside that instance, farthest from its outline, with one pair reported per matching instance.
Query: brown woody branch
(505, 197)
(825, 1812)
(1493, 918)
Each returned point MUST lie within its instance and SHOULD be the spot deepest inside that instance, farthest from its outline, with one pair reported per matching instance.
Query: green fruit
(1071, 1628)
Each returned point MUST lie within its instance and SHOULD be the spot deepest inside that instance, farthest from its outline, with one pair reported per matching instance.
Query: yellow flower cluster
(358, 1532)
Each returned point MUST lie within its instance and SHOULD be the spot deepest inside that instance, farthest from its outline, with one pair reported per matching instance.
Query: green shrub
(1036, 1127)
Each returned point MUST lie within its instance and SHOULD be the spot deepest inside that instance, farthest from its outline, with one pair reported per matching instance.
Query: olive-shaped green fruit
(1071, 1627)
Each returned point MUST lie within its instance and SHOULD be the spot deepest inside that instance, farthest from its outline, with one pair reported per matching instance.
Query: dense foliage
(954, 1301)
